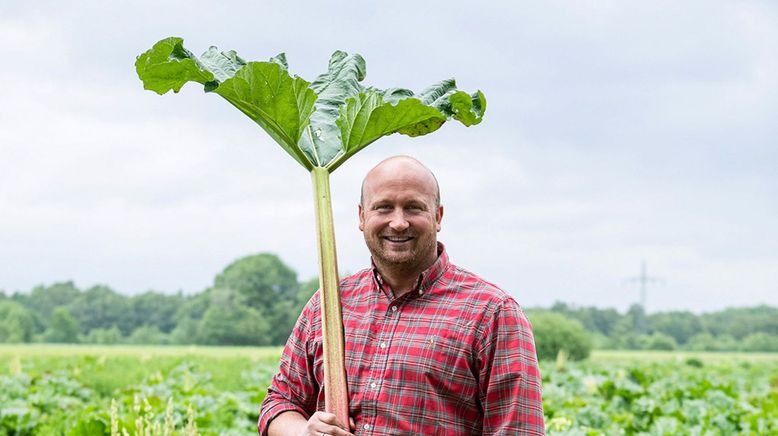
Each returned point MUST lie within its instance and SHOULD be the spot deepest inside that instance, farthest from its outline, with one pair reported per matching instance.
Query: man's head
(400, 215)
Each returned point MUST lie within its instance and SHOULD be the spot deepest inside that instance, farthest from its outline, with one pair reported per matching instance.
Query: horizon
(605, 142)
(571, 305)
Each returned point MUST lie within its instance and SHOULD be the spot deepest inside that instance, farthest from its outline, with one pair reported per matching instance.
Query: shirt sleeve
(510, 383)
(294, 387)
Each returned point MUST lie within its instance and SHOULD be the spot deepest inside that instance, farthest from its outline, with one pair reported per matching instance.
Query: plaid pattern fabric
(454, 357)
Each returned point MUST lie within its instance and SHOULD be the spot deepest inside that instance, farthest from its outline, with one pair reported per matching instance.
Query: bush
(661, 341)
(760, 342)
(148, 335)
(702, 342)
(16, 323)
(553, 333)
(602, 342)
(103, 336)
(63, 329)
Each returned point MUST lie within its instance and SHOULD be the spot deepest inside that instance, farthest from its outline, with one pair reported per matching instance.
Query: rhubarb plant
(320, 124)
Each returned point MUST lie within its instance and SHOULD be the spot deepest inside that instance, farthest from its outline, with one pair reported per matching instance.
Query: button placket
(383, 340)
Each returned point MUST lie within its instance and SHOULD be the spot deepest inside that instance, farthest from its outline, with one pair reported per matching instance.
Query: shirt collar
(427, 278)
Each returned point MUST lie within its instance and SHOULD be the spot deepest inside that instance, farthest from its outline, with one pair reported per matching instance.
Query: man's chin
(396, 259)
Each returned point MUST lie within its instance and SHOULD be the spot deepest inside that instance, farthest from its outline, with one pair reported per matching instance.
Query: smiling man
(400, 214)
(430, 347)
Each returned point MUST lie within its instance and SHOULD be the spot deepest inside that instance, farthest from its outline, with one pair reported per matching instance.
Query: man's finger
(328, 418)
(331, 430)
(329, 425)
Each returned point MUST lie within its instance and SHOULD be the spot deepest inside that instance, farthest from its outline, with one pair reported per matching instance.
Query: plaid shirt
(455, 356)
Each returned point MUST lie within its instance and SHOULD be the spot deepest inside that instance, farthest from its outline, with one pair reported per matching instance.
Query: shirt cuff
(271, 411)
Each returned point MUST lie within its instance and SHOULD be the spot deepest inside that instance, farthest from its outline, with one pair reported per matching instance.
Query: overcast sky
(614, 133)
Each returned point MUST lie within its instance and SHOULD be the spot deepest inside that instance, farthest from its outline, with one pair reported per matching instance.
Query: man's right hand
(323, 423)
(320, 423)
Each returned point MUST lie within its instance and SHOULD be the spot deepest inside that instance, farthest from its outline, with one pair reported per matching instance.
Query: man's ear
(361, 218)
(439, 216)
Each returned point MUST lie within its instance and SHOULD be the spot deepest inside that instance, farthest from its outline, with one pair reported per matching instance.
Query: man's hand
(321, 423)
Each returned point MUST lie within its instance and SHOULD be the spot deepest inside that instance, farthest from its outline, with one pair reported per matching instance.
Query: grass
(663, 356)
(108, 368)
(255, 353)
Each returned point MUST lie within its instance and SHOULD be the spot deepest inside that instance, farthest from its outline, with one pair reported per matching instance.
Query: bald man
(431, 349)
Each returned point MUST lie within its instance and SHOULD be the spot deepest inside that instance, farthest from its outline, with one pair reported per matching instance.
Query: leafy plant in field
(181, 401)
(320, 124)
(557, 337)
(585, 398)
(660, 399)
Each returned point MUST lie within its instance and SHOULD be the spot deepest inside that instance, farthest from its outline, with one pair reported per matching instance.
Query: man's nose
(398, 222)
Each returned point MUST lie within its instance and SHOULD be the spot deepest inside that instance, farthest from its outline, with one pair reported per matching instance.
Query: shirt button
(366, 426)
(373, 385)
(382, 345)
(394, 308)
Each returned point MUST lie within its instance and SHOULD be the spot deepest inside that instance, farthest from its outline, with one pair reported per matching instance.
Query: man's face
(400, 217)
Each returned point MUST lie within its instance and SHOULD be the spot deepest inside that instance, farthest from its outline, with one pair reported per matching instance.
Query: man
(431, 349)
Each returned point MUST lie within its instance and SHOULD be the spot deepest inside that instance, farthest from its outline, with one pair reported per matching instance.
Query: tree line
(256, 300)
(732, 329)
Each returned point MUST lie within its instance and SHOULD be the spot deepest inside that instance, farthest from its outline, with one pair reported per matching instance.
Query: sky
(615, 133)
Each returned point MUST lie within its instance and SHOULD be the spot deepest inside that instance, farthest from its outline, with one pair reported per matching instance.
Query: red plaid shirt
(454, 357)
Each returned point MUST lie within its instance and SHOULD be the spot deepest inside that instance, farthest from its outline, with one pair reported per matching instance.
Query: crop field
(87, 390)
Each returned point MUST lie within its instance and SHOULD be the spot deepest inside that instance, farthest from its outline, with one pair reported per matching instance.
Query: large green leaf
(322, 137)
(280, 104)
(322, 123)
(168, 66)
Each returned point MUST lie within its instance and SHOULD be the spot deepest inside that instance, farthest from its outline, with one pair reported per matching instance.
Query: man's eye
(383, 207)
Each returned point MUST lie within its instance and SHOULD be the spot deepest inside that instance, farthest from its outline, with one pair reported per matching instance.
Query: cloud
(614, 133)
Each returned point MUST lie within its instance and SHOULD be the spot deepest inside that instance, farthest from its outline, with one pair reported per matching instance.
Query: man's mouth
(398, 239)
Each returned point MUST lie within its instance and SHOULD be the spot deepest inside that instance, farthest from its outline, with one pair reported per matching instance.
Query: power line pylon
(643, 280)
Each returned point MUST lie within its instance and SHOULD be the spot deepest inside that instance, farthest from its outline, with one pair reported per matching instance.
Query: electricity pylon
(643, 280)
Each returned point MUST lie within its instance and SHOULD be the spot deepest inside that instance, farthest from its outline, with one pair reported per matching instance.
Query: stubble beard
(406, 262)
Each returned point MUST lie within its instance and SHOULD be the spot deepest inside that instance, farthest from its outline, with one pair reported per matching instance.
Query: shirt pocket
(447, 360)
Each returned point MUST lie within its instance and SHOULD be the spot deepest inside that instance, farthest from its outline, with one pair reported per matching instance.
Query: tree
(268, 287)
(230, 321)
(186, 332)
(637, 314)
(63, 327)
(661, 341)
(148, 335)
(42, 300)
(554, 333)
(16, 322)
(263, 279)
(304, 293)
(680, 325)
(743, 321)
(760, 342)
(702, 342)
(103, 336)
(155, 309)
(102, 307)
(602, 320)
(593, 319)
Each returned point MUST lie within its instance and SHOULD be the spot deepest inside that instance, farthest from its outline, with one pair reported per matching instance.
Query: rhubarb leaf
(322, 123)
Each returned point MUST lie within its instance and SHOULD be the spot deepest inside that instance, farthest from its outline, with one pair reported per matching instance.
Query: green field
(52, 389)
(108, 368)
